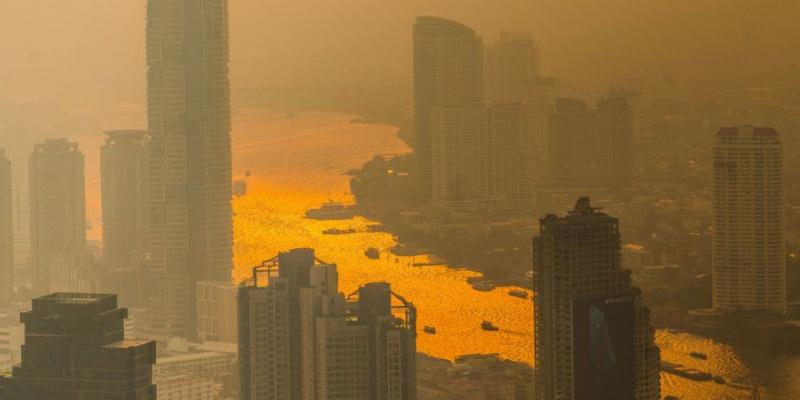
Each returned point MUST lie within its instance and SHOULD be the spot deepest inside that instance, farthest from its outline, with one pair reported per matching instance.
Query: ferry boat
(429, 329)
(331, 210)
(239, 188)
(698, 355)
(337, 231)
(483, 286)
(488, 326)
(518, 293)
(373, 253)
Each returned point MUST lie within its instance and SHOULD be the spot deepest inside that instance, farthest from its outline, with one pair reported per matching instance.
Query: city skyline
(431, 182)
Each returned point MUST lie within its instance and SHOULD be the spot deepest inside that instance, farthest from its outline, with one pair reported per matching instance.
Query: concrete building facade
(189, 160)
(6, 232)
(299, 338)
(748, 250)
(593, 339)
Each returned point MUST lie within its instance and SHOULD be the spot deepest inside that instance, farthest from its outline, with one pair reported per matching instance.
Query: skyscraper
(748, 225)
(75, 349)
(614, 123)
(448, 72)
(189, 159)
(511, 67)
(57, 212)
(6, 232)
(592, 335)
(123, 171)
(299, 338)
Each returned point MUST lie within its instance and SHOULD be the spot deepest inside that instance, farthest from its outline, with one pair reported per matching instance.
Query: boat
(518, 293)
(719, 379)
(373, 253)
(331, 210)
(672, 398)
(685, 372)
(488, 326)
(239, 188)
(337, 231)
(429, 329)
(483, 286)
(698, 355)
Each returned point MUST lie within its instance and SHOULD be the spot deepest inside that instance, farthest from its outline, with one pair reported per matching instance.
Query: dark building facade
(593, 337)
(75, 349)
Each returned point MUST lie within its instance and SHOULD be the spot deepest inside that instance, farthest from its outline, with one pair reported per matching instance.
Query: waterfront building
(572, 160)
(482, 157)
(448, 72)
(613, 124)
(749, 265)
(511, 67)
(216, 311)
(635, 257)
(123, 174)
(593, 339)
(75, 348)
(189, 160)
(6, 232)
(57, 211)
(299, 338)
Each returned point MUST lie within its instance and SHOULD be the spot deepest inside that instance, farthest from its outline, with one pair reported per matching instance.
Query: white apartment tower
(511, 66)
(593, 339)
(189, 161)
(448, 72)
(748, 224)
(299, 338)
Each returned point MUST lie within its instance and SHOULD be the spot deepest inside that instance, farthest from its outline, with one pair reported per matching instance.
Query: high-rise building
(75, 349)
(448, 72)
(189, 160)
(6, 232)
(216, 320)
(511, 67)
(613, 123)
(593, 339)
(299, 338)
(57, 213)
(482, 157)
(123, 170)
(748, 223)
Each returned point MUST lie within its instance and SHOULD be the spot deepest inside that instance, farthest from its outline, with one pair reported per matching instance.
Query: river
(298, 161)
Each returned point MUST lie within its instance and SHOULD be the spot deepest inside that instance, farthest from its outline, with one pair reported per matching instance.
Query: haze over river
(298, 162)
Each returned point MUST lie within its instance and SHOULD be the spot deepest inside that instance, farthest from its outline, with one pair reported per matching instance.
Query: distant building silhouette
(614, 123)
(511, 68)
(299, 338)
(75, 349)
(123, 169)
(6, 232)
(448, 72)
(748, 225)
(58, 216)
(593, 337)
(188, 103)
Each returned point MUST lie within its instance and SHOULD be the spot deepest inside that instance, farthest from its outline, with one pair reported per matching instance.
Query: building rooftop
(126, 343)
(74, 298)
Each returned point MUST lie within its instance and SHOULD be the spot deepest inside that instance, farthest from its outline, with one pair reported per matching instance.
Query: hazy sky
(80, 63)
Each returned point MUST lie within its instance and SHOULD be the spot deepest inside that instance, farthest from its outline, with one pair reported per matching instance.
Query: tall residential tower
(189, 160)
(593, 338)
(448, 72)
(6, 232)
(748, 225)
(123, 171)
(299, 338)
(57, 212)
